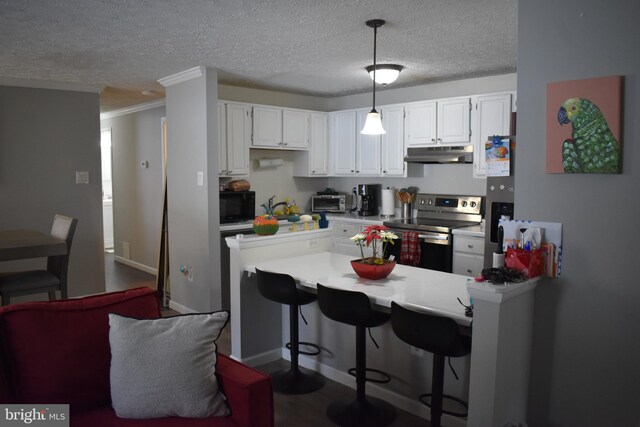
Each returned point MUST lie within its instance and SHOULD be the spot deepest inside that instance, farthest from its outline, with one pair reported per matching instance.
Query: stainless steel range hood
(453, 154)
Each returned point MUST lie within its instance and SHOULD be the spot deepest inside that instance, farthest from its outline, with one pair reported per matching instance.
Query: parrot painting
(592, 147)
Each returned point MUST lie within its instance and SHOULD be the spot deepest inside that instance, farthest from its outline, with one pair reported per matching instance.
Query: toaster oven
(328, 203)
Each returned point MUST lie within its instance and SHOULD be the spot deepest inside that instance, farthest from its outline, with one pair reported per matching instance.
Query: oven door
(436, 250)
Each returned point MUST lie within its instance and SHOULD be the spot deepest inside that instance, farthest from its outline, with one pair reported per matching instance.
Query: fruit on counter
(293, 208)
(265, 225)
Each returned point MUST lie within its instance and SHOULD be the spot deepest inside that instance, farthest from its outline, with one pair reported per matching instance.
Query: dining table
(25, 243)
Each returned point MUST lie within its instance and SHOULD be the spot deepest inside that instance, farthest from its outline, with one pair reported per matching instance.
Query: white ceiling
(315, 47)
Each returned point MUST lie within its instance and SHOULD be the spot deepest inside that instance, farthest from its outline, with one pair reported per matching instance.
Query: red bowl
(372, 271)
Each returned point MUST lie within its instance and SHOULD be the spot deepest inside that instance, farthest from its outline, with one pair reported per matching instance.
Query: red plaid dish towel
(410, 248)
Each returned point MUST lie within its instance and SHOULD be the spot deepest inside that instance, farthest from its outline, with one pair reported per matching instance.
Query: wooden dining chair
(53, 279)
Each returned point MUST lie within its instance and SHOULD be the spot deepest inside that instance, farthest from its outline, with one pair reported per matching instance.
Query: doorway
(107, 189)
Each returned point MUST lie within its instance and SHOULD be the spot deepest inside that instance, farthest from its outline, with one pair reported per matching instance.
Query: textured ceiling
(316, 47)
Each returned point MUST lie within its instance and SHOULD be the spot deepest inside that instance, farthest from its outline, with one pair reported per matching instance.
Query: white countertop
(355, 218)
(421, 289)
(472, 230)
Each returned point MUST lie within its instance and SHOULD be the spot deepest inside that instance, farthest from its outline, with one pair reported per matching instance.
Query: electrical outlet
(313, 243)
(418, 352)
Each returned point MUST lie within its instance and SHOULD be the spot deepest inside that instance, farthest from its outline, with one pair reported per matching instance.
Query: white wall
(45, 137)
(137, 199)
(586, 336)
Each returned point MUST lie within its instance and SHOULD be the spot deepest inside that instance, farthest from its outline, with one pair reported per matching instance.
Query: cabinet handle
(433, 140)
(468, 271)
(439, 139)
(285, 143)
(351, 170)
(470, 246)
(229, 171)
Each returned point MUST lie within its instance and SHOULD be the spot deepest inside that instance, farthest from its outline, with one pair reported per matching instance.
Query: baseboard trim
(180, 308)
(260, 359)
(135, 265)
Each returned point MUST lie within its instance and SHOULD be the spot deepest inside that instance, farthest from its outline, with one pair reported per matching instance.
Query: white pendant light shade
(385, 73)
(373, 124)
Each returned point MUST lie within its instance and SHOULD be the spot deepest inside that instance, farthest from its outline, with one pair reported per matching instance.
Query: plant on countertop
(375, 236)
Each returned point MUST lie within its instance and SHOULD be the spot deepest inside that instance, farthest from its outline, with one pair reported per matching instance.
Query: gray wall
(193, 220)
(45, 137)
(137, 198)
(586, 338)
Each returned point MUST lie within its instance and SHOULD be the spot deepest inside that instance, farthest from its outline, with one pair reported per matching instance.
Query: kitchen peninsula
(494, 379)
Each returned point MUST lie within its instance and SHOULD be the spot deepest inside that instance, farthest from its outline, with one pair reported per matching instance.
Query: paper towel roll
(388, 201)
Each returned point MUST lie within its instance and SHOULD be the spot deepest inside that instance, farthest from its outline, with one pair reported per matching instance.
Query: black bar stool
(282, 288)
(354, 308)
(440, 336)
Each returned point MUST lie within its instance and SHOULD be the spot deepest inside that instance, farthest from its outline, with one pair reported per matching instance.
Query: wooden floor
(306, 410)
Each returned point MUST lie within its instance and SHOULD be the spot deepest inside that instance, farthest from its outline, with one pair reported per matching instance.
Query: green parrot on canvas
(592, 148)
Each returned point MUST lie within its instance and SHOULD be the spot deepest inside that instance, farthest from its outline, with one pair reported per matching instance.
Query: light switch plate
(82, 177)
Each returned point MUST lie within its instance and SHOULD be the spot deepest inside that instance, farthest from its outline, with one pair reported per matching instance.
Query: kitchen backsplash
(279, 181)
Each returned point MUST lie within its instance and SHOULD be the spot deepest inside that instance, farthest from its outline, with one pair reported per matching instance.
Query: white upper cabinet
(343, 142)
(267, 127)
(235, 134)
(280, 128)
(367, 149)
(453, 121)
(319, 144)
(441, 122)
(392, 143)
(493, 117)
(315, 161)
(295, 129)
(420, 124)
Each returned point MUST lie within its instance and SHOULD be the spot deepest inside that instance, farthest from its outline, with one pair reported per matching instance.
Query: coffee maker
(368, 195)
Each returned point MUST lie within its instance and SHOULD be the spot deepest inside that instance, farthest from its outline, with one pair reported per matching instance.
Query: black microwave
(237, 206)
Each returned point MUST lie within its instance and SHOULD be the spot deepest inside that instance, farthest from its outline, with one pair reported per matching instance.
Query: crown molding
(182, 76)
(50, 84)
(133, 109)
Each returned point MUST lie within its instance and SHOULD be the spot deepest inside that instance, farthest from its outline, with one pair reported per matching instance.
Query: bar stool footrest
(315, 352)
(385, 377)
(423, 399)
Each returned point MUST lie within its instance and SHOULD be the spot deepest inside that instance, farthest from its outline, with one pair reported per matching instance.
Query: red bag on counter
(529, 263)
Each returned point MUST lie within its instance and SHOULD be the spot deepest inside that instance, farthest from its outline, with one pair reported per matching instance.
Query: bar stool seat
(354, 308)
(440, 336)
(281, 288)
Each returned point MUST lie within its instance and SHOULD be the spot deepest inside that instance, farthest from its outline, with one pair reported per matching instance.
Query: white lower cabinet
(343, 231)
(468, 255)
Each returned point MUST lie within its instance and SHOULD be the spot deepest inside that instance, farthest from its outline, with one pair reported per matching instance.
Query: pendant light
(373, 124)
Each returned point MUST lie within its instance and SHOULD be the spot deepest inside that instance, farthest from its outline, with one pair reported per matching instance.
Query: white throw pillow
(166, 367)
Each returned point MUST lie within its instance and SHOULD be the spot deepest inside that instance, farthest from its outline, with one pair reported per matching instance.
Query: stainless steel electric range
(437, 216)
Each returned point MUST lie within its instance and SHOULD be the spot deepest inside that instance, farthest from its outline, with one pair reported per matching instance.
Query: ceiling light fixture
(373, 124)
(385, 73)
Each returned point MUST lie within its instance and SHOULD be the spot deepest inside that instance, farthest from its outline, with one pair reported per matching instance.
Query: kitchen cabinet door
(343, 142)
(392, 143)
(238, 135)
(493, 117)
(295, 129)
(222, 138)
(453, 121)
(267, 127)
(367, 149)
(420, 124)
(318, 150)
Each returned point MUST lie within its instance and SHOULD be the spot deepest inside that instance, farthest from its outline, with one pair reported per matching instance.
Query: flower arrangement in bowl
(265, 225)
(376, 266)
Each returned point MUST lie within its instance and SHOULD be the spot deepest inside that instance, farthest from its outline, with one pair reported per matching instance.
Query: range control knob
(422, 201)
(464, 204)
(430, 202)
(473, 204)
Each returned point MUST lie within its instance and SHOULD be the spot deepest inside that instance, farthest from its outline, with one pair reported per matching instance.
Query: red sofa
(58, 352)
